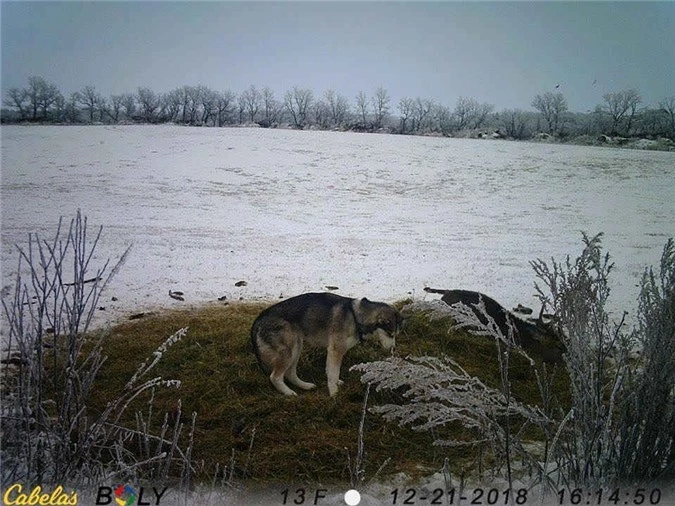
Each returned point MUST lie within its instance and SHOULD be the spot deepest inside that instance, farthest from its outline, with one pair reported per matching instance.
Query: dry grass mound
(245, 424)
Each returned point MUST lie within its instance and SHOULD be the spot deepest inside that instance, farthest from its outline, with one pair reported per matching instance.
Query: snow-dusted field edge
(292, 211)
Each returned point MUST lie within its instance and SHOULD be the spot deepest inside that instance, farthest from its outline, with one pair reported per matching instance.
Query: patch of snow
(644, 143)
(291, 211)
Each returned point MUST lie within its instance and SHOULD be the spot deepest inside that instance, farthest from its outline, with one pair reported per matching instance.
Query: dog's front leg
(333, 363)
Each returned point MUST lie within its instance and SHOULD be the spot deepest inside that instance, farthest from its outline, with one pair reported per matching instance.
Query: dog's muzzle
(386, 341)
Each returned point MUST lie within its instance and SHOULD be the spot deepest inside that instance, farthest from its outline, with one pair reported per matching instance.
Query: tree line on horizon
(619, 115)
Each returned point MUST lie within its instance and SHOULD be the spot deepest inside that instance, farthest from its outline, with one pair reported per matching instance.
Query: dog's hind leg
(275, 349)
(281, 366)
(277, 379)
(292, 373)
(292, 377)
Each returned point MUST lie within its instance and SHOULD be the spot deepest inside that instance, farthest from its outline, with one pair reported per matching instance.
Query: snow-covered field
(380, 216)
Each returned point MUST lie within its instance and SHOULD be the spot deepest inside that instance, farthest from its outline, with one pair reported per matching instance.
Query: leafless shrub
(578, 292)
(623, 408)
(646, 449)
(48, 432)
(621, 426)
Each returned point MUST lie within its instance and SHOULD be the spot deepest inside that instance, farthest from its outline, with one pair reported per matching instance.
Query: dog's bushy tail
(255, 330)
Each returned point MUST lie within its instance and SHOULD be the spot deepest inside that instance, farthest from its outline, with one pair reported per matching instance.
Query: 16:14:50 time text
(605, 497)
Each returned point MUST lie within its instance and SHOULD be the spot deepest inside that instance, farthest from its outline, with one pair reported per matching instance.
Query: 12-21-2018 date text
(494, 496)
(476, 496)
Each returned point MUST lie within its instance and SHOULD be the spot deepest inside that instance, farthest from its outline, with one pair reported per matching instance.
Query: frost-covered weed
(48, 433)
(438, 391)
(647, 432)
(578, 291)
(623, 408)
(357, 467)
(621, 424)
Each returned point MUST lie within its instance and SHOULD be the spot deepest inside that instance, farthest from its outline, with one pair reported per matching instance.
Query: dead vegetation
(242, 420)
(178, 397)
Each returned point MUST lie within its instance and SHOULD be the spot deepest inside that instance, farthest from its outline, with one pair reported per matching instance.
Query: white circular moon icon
(352, 497)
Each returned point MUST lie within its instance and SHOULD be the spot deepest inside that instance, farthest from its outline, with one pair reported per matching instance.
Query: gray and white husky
(325, 320)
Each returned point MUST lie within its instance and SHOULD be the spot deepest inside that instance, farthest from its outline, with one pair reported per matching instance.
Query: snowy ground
(380, 216)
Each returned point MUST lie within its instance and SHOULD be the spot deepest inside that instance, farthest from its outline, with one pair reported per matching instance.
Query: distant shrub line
(614, 122)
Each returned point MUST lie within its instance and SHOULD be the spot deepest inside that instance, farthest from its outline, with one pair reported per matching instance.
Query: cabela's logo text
(15, 495)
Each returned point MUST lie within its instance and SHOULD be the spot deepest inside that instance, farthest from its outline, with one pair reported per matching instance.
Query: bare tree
(188, 103)
(405, 107)
(35, 84)
(49, 94)
(297, 103)
(482, 114)
(209, 104)
(303, 98)
(338, 107)
(514, 123)
(171, 104)
(129, 105)
(270, 107)
(70, 111)
(36, 101)
(149, 102)
(115, 107)
(421, 114)
(381, 102)
(622, 106)
(103, 109)
(59, 108)
(191, 103)
(40, 95)
(442, 118)
(362, 107)
(184, 96)
(321, 114)
(17, 98)
(241, 103)
(90, 100)
(251, 100)
(464, 111)
(470, 114)
(552, 107)
(667, 106)
(651, 123)
(225, 107)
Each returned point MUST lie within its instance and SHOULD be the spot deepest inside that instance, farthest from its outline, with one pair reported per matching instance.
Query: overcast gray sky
(502, 53)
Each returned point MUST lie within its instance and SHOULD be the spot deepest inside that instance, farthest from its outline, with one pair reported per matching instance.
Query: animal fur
(325, 320)
(536, 336)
